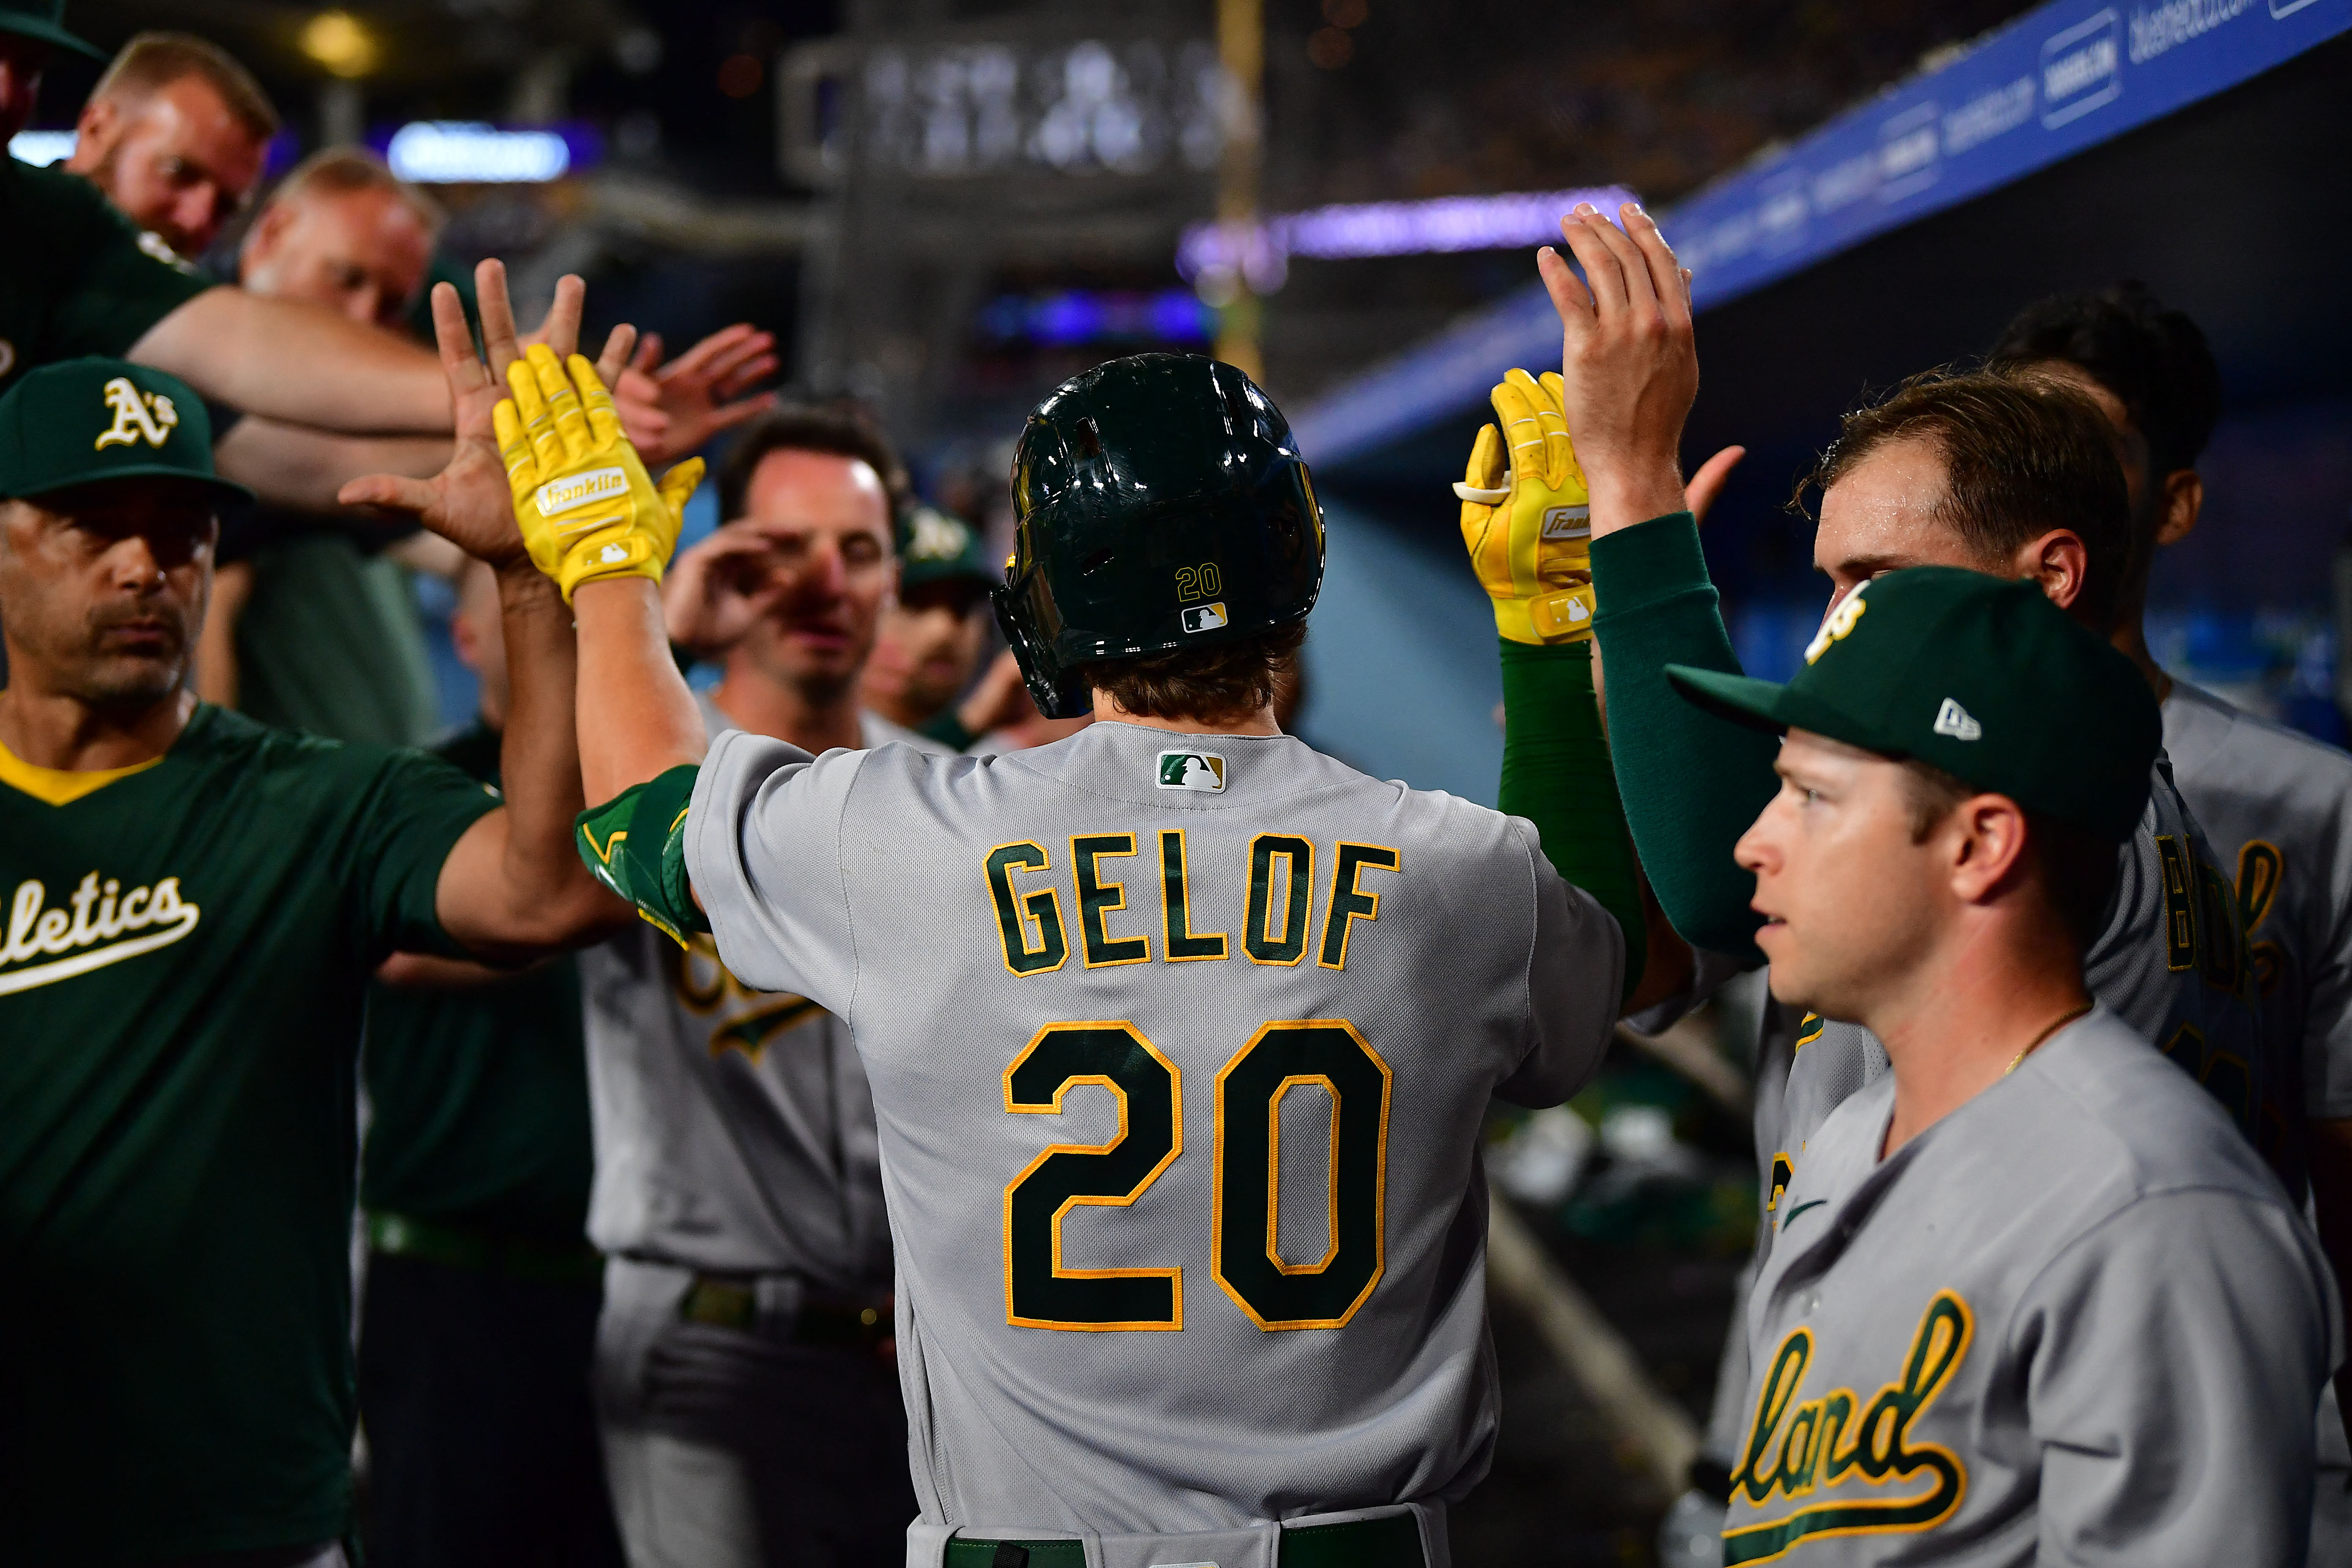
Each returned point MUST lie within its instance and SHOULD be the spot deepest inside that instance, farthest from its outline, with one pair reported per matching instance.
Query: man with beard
(195, 906)
(176, 133)
(749, 1408)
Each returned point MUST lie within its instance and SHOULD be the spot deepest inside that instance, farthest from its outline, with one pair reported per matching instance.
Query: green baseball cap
(935, 546)
(1983, 677)
(44, 20)
(79, 421)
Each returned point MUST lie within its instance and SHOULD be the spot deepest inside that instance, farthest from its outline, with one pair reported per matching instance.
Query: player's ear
(2059, 561)
(1986, 837)
(2183, 502)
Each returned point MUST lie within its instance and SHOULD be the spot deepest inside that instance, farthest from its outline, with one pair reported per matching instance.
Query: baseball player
(195, 904)
(2032, 1299)
(933, 635)
(748, 1411)
(1178, 1073)
(2277, 803)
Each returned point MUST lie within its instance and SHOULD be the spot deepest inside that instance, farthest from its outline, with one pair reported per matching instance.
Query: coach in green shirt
(194, 904)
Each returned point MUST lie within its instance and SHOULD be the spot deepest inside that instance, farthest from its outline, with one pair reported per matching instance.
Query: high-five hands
(1526, 525)
(1628, 366)
(467, 502)
(586, 507)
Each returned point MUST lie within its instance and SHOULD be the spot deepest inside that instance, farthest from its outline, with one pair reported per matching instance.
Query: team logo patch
(146, 417)
(1203, 771)
(938, 537)
(1568, 522)
(596, 484)
(1838, 625)
(1958, 722)
(1205, 617)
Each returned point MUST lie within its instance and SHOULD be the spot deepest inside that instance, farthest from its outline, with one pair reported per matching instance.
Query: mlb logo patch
(1205, 617)
(1203, 771)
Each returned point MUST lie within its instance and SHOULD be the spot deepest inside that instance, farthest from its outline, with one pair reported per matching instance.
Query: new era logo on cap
(1205, 617)
(1954, 721)
(1203, 771)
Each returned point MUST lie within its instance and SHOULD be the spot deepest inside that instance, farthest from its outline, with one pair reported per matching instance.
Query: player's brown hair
(1221, 683)
(341, 170)
(153, 61)
(841, 429)
(2078, 867)
(2021, 457)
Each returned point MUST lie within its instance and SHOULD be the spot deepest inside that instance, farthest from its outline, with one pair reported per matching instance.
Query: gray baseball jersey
(734, 1131)
(2075, 1320)
(2170, 964)
(2278, 807)
(1180, 1049)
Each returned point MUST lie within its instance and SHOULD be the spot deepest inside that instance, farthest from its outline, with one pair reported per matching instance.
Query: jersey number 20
(1041, 1292)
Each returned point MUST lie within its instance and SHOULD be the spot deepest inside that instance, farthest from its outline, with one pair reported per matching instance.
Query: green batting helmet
(1161, 504)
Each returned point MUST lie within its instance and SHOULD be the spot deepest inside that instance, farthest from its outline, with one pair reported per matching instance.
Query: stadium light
(458, 152)
(41, 148)
(1262, 251)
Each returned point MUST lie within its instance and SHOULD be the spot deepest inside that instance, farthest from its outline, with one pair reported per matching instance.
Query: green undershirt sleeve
(1556, 773)
(1692, 782)
(635, 844)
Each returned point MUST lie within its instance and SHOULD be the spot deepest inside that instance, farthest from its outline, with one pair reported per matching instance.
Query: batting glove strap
(635, 844)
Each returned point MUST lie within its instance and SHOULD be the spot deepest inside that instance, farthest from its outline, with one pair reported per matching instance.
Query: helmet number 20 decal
(1202, 581)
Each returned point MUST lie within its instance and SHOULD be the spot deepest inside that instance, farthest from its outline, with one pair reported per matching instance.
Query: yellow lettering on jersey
(1836, 1443)
(101, 920)
(1016, 913)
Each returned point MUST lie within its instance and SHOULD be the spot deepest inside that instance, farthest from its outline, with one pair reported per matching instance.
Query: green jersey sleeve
(635, 844)
(1556, 774)
(1692, 783)
(93, 284)
(415, 809)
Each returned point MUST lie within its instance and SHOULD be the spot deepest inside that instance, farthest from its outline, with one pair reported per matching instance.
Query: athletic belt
(834, 1322)
(461, 1246)
(1392, 1541)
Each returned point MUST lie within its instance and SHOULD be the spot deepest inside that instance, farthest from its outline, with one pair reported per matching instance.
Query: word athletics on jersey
(96, 932)
(1280, 928)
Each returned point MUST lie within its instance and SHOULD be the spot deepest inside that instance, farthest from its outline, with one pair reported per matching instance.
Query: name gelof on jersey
(1282, 887)
(99, 930)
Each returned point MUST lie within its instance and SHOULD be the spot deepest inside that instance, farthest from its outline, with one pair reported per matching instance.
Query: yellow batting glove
(586, 506)
(1524, 516)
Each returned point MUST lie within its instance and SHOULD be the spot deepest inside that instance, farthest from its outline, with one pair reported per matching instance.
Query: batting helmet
(1161, 504)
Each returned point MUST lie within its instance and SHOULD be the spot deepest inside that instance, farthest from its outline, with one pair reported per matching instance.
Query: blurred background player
(933, 633)
(177, 135)
(478, 1322)
(313, 627)
(2276, 803)
(751, 1411)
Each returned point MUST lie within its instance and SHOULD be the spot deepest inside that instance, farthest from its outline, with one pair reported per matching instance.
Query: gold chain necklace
(2036, 1041)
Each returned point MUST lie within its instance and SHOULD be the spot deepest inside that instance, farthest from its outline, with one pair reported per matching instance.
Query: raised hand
(718, 589)
(468, 502)
(675, 409)
(1628, 361)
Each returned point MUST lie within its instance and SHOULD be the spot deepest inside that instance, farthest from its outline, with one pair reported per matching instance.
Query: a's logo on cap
(1839, 623)
(938, 537)
(1958, 722)
(138, 417)
(1205, 617)
(1203, 771)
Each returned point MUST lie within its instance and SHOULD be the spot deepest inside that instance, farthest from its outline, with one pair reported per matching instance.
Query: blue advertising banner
(2058, 80)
